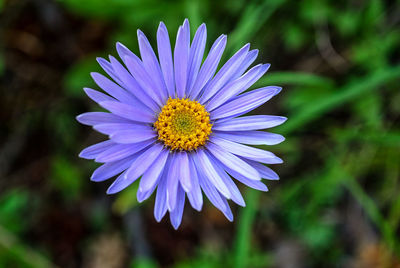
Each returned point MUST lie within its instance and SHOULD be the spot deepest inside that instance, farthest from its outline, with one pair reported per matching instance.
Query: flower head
(176, 125)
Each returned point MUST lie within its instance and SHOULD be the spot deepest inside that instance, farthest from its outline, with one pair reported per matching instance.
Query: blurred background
(337, 203)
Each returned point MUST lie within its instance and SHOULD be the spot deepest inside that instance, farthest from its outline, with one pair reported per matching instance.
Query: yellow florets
(183, 124)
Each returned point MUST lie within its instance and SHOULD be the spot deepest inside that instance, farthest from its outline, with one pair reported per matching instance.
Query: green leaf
(350, 92)
(294, 78)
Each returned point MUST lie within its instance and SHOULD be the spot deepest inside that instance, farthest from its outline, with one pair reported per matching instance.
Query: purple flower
(176, 125)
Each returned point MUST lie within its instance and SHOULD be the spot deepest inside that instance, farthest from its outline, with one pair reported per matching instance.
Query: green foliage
(67, 178)
(78, 77)
(144, 263)
(13, 207)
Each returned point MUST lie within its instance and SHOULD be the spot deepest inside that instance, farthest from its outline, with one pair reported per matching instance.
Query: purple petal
(208, 170)
(209, 66)
(172, 182)
(120, 151)
(135, 67)
(251, 137)
(165, 55)
(112, 88)
(109, 69)
(247, 151)
(184, 170)
(110, 128)
(253, 122)
(224, 74)
(92, 151)
(258, 185)
(196, 55)
(150, 177)
(181, 57)
(213, 195)
(160, 206)
(264, 171)
(133, 86)
(97, 96)
(244, 103)
(95, 118)
(233, 162)
(123, 51)
(237, 86)
(175, 215)
(151, 65)
(111, 169)
(143, 162)
(250, 58)
(236, 196)
(194, 195)
(132, 136)
(128, 111)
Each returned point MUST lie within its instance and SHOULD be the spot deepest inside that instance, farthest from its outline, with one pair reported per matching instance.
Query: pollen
(183, 124)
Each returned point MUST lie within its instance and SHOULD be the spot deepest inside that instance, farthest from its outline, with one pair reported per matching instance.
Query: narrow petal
(253, 122)
(244, 103)
(143, 162)
(160, 206)
(258, 185)
(120, 151)
(172, 182)
(209, 66)
(109, 69)
(247, 151)
(123, 51)
(233, 162)
(250, 58)
(110, 128)
(224, 74)
(214, 196)
(184, 171)
(111, 169)
(112, 88)
(264, 171)
(236, 196)
(95, 118)
(133, 136)
(132, 86)
(175, 215)
(196, 55)
(141, 76)
(151, 64)
(194, 195)
(165, 55)
(181, 58)
(97, 96)
(150, 177)
(237, 86)
(92, 151)
(251, 137)
(128, 111)
(135, 67)
(208, 170)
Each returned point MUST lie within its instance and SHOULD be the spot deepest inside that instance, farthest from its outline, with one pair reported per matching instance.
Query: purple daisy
(176, 125)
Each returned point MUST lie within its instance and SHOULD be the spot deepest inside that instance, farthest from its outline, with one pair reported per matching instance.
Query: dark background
(337, 203)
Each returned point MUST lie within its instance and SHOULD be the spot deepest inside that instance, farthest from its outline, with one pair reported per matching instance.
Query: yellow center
(183, 124)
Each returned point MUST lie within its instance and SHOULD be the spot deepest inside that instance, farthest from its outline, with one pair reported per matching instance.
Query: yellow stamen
(183, 124)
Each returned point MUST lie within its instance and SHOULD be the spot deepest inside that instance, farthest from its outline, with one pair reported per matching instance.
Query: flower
(176, 125)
